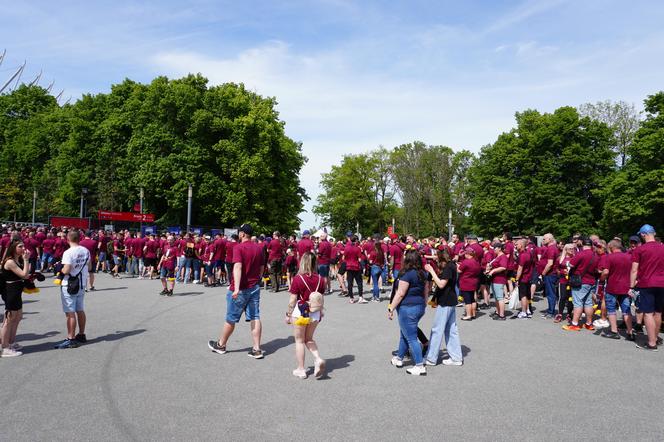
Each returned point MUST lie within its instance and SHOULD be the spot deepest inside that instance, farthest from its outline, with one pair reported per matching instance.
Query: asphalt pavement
(147, 374)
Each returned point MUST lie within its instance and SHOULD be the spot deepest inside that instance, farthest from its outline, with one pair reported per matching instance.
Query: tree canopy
(229, 143)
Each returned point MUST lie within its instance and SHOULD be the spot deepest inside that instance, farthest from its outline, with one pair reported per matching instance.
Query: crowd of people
(585, 281)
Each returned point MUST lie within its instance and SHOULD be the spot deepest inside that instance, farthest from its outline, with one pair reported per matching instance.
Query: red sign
(126, 216)
(69, 221)
(390, 230)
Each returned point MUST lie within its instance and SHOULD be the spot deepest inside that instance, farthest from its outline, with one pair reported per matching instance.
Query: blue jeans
(409, 316)
(384, 275)
(444, 324)
(197, 269)
(188, 264)
(550, 283)
(376, 272)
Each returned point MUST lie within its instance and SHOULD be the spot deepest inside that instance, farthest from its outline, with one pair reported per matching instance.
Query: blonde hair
(307, 264)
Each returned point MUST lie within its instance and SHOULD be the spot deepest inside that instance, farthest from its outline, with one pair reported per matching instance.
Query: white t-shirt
(76, 257)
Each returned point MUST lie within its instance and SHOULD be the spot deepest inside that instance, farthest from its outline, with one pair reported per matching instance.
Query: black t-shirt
(446, 297)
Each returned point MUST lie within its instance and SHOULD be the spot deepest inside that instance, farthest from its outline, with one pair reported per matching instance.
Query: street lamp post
(190, 195)
(34, 205)
(84, 191)
(141, 208)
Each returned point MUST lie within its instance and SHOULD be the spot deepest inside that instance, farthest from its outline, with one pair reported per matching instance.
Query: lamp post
(34, 205)
(190, 195)
(141, 195)
(84, 191)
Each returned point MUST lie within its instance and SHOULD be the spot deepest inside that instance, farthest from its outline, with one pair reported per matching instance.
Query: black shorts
(651, 300)
(149, 262)
(13, 296)
(485, 279)
(524, 290)
(468, 296)
(510, 274)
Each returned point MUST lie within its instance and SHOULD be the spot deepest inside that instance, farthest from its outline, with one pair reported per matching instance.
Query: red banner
(69, 221)
(126, 216)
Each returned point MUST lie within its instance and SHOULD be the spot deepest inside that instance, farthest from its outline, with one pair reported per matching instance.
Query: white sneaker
(362, 300)
(197, 282)
(397, 362)
(418, 370)
(10, 353)
(601, 323)
(451, 362)
(302, 374)
(429, 363)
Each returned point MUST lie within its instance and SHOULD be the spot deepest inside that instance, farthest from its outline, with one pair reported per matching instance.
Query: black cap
(587, 241)
(634, 238)
(246, 228)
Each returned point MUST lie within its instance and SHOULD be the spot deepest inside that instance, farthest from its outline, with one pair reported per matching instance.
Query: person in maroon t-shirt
(244, 293)
(324, 259)
(469, 278)
(496, 270)
(150, 254)
(91, 245)
(547, 269)
(352, 257)
(274, 259)
(647, 278)
(524, 272)
(166, 266)
(305, 244)
(377, 263)
(584, 264)
(396, 255)
(47, 255)
(616, 269)
(220, 259)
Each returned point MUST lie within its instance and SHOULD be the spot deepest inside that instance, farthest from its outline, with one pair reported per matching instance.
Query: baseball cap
(498, 245)
(471, 236)
(349, 233)
(393, 236)
(306, 232)
(646, 229)
(634, 238)
(387, 238)
(246, 228)
(586, 241)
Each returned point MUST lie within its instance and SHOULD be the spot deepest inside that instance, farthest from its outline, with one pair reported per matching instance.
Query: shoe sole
(215, 350)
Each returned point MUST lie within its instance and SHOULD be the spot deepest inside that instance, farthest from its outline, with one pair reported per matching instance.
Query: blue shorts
(71, 303)
(102, 256)
(324, 270)
(117, 260)
(166, 273)
(219, 264)
(247, 301)
(612, 301)
(582, 296)
(651, 300)
(498, 291)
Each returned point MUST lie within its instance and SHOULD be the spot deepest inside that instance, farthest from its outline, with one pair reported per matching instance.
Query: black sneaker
(610, 334)
(256, 354)
(638, 328)
(647, 346)
(163, 292)
(215, 347)
(499, 318)
(92, 288)
(67, 343)
(630, 336)
(169, 293)
(81, 338)
(659, 341)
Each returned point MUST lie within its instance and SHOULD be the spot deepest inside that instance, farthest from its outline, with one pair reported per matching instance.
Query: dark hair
(379, 251)
(11, 251)
(353, 239)
(412, 260)
(508, 235)
(443, 257)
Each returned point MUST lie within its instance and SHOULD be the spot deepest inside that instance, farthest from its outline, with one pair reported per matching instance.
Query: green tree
(635, 195)
(541, 176)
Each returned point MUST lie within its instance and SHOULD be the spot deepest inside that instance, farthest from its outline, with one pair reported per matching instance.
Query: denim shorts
(71, 303)
(651, 300)
(324, 270)
(167, 273)
(582, 296)
(247, 301)
(498, 291)
(612, 301)
(117, 260)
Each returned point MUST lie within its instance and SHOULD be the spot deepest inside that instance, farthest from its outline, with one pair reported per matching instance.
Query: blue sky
(351, 76)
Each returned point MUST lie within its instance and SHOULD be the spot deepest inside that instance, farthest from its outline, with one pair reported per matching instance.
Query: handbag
(515, 302)
(74, 283)
(576, 280)
(342, 268)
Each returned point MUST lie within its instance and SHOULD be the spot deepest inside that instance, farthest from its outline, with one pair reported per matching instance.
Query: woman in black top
(444, 323)
(15, 269)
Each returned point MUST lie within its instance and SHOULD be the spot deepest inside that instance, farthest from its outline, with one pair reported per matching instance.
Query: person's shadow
(115, 336)
(339, 363)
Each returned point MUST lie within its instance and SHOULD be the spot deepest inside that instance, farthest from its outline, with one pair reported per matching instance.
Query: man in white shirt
(76, 264)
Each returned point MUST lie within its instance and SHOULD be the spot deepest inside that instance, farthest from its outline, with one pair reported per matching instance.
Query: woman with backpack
(305, 311)
(15, 269)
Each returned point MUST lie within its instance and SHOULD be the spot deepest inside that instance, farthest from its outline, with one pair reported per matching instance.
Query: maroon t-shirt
(619, 266)
(324, 253)
(129, 246)
(367, 247)
(40, 236)
(170, 255)
(602, 263)
(151, 249)
(209, 252)
(305, 245)
(275, 250)
(315, 282)
(230, 245)
(250, 254)
(91, 245)
(650, 257)
(220, 245)
(489, 255)
(581, 262)
(352, 256)
(137, 247)
(47, 245)
(509, 252)
(549, 252)
(376, 259)
(526, 262)
(469, 275)
(397, 253)
(59, 247)
(496, 263)
(31, 245)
